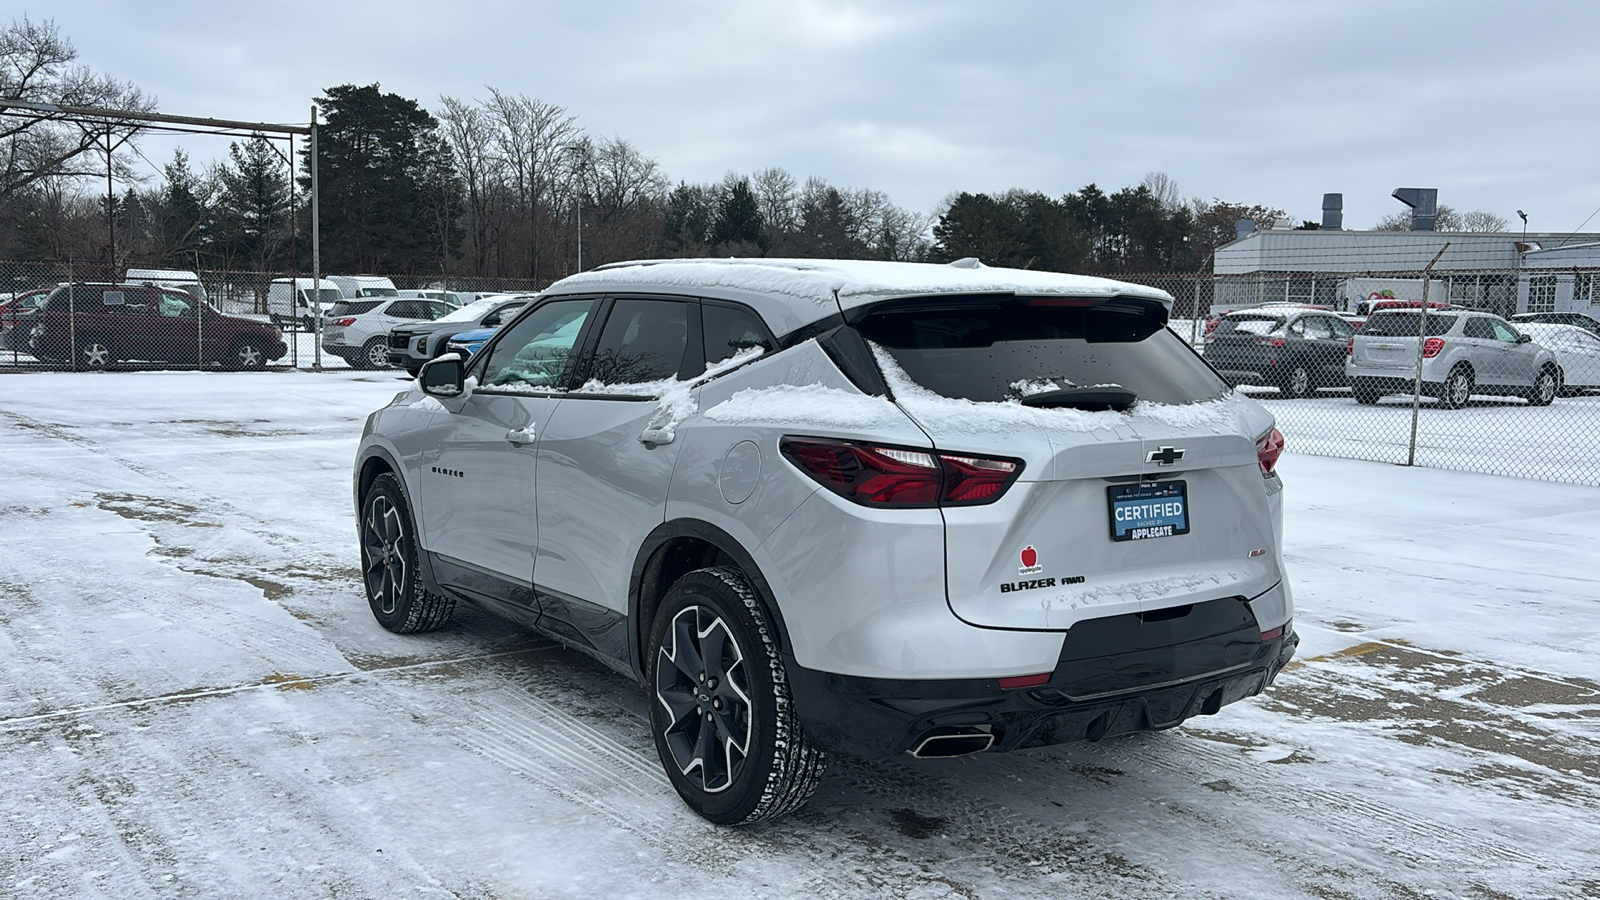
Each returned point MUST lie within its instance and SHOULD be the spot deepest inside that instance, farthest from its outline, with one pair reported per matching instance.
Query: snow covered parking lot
(195, 701)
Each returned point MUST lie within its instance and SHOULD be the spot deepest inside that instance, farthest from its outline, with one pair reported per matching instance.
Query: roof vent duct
(1332, 212)
(1424, 203)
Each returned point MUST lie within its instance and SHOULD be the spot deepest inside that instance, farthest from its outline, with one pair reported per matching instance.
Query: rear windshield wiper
(1087, 398)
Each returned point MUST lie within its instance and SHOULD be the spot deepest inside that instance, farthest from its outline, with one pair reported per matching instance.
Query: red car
(99, 325)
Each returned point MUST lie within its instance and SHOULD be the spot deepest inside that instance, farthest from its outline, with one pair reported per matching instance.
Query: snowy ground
(194, 701)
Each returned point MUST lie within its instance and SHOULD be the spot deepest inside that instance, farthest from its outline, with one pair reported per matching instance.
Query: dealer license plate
(1143, 511)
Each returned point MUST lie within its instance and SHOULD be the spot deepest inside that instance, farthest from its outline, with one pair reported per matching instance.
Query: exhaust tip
(951, 744)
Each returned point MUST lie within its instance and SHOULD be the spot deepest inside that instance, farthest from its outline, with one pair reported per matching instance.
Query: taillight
(1350, 346)
(1270, 342)
(900, 476)
(1431, 347)
(1268, 449)
(344, 322)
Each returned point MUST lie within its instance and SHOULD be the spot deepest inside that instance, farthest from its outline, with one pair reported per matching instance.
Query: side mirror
(1522, 338)
(443, 377)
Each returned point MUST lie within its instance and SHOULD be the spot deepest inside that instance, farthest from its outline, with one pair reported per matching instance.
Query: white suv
(1464, 352)
(872, 508)
(357, 331)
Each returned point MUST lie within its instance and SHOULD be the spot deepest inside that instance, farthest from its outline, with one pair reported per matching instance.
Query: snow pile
(810, 404)
(851, 282)
(956, 415)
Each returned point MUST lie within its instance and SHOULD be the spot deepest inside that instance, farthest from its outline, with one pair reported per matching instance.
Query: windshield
(994, 349)
(379, 292)
(354, 307)
(1405, 324)
(471, 311)
(326, 295)
(1249, 325)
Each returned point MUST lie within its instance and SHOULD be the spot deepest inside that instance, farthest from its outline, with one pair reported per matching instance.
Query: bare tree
(1446, 219)
(530, 141)
(778, 199)
(1165, 190)
(471, 134)
(37, 65)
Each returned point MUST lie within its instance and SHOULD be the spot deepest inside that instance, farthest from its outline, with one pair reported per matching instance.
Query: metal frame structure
(162, 122)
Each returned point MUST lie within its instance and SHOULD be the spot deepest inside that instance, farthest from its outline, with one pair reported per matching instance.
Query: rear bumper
(1115, 676)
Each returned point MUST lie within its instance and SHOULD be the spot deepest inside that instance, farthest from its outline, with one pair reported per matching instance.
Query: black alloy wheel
(389, 563)
(720, 712)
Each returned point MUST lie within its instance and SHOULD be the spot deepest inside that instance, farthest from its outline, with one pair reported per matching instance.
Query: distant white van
(295, 302)
(354, 286)
(169, 278)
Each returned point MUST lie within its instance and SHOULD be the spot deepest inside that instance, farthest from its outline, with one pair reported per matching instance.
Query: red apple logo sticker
(1030, 557)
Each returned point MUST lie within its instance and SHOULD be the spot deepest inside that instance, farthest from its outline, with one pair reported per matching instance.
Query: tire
(1545, 387)
(743, 691)
(248, 355)
(1457, 388)
(390, 563)
(374, 354)
(95, 353)
(1364, 392)
(1297, 383)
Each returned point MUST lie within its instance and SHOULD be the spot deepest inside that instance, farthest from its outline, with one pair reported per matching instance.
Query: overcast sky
(1493, 103)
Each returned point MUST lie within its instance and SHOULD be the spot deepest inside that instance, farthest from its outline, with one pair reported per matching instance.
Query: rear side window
(355, 307)
(644, 340)
(1003, 349)
(729, 330)
(1398, 324)
(1249, 325)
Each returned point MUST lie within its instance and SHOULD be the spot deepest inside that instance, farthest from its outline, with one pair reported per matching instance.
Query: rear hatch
(1141, 488)
(1243, 342)
(1389, 338)
(343, 310)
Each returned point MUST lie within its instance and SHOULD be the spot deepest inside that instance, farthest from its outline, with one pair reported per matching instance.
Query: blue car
(467, 342)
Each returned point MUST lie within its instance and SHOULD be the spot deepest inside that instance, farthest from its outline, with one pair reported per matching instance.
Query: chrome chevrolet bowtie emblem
(1166, 456)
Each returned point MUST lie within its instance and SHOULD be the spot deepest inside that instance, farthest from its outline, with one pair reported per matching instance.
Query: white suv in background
(1464, 352)
(865, 507)
(357, 330)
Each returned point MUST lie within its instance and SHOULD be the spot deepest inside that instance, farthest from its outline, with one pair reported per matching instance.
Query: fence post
(1422, 338)
(316, 251)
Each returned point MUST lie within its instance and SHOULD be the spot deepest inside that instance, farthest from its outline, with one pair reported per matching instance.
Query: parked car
(99, 325)
(357, 330)
(16, 317)
(1295, 349)
(296, 302)
(1577, 351)
(1464, 352)
(863, 507)
(469, 342)
(356, 286)
(1581, 320)
(412, 344)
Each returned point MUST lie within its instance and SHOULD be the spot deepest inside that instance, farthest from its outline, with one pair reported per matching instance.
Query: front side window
(996, 349)
(1478, 327)
(173, 305)
(1503, 332)
(535, 351)
(644, 340)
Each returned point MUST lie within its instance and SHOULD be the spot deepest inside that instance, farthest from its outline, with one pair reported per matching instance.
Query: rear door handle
(520, 435)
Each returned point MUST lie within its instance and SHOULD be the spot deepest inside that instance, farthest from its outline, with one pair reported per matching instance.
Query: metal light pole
(577, 202)
(316, 254)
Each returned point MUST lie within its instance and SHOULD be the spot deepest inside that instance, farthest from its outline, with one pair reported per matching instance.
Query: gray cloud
(1265, 102)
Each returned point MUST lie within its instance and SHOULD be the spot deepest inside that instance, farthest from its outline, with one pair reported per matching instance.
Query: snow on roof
(812, 284)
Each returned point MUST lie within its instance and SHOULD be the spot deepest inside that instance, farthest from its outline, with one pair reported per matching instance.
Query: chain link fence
(1498, 394)
(156, 317)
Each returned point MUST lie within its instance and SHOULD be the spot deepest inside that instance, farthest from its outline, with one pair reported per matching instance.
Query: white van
(295, 302)
(188, 282)
(353, 286)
